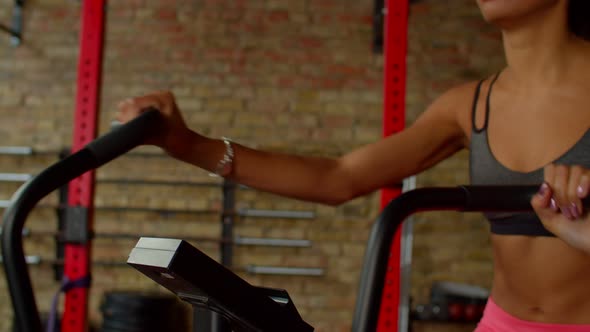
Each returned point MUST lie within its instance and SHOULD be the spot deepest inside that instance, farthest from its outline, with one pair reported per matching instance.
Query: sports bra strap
(487, 109)
(474, 107)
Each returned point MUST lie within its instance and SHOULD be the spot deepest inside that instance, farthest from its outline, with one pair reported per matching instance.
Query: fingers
(575, 176)
(569, 184)
(130, 108)
(549, 179)
(560, 190)
(543, 204)
(542, 200)
(584, 188)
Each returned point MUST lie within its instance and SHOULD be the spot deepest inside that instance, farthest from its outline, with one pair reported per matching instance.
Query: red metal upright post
(81, 190)
(394, 106)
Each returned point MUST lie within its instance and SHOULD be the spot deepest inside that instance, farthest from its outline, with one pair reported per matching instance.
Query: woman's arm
(435, 135)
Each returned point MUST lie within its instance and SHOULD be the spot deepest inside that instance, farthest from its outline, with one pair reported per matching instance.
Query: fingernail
(581, 191)
(574, 211)
(543, 189)
(566, 211)
(553, 205)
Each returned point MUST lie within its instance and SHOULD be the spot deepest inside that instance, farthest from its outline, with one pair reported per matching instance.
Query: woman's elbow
(340, 196)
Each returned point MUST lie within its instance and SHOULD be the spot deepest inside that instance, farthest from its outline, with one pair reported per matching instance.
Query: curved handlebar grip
(462, 198)
(502, 198)
(126, 136)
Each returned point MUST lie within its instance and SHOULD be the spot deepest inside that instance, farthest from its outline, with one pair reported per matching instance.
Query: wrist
(203, 152)
(182, 144)
(225, 164)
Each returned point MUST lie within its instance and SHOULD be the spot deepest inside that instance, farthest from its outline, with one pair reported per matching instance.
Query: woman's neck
(540, 48)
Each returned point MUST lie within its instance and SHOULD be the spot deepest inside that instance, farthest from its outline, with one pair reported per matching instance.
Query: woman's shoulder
(457, 103)
(458, 99)
(463, 92)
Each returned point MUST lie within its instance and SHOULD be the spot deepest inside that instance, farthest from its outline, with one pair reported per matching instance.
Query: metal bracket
(15, 31)
(76, 225)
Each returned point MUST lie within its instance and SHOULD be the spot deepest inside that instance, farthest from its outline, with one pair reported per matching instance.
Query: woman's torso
(538, 278)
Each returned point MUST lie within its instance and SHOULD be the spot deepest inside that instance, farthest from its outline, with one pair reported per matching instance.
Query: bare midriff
(541, 279)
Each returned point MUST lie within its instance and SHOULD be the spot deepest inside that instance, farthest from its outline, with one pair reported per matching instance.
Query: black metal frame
(94, 155)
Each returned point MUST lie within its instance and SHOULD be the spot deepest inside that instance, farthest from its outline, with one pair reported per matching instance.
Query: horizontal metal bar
(159, 182)
(242, 212)
(26, 231)
(38, 260)
(276, 214)
(21, 177)
(6, 203)
(15, 177)
(16, 150)
(31, 260)
(250, 241)
(240, 241)
(253, 269)
(275, 270)
(156, 210)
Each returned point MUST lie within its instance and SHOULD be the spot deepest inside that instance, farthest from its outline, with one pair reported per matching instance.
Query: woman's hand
(559, 204)
(174, 134)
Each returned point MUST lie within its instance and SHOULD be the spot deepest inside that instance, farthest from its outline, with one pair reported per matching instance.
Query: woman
(527, 125)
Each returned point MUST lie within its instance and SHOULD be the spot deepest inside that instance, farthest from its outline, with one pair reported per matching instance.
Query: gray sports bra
(486, 170)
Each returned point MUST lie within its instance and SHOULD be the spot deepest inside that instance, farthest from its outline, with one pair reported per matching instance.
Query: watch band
(225, 165)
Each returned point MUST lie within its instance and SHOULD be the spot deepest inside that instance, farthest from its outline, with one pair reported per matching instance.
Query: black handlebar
(95, 154)
(125, 137)
(462, 198)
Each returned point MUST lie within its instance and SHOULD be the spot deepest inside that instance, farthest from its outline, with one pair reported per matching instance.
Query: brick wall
(296, 76)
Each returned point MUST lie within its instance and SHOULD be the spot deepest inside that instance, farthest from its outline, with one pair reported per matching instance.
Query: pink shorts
(497, 320)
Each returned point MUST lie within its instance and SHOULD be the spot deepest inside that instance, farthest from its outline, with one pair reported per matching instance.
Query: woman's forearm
(312, 179)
